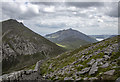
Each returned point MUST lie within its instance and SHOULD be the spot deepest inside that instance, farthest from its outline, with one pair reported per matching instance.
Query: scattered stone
(68, 78)
(93, 69)
(74, 62)
(50, 67)
(86, 78)
(105, 65)
(28, 72)
(56, 78)
(37, 66)
(114, 67)
(79, 78)
(118, 79)
(119, 58)
(106, 57)
(108, 53)
(79, 65)
(114, 63)
(22, 75)
(111, 72)
(91, 62)
(99, 60)
(93, 78)
(83, 71)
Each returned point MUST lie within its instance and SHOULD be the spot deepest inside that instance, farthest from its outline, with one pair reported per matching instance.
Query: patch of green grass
(69, 57)
(61, 45)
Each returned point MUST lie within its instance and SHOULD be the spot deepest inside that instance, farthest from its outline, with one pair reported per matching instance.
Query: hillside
(97, 61)
(70, 38)
(22, 48)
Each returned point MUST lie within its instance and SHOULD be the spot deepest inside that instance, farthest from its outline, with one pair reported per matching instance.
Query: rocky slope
(70, 38)
(24, 75)
(21, 47)
(98, 61)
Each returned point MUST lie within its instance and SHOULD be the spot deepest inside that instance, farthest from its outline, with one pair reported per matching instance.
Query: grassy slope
(69, 57)
(23, 61)
(71, 43)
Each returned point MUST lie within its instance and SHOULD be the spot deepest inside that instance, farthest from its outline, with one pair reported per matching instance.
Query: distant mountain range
(102, 36)
(21, 47)
(70, 38)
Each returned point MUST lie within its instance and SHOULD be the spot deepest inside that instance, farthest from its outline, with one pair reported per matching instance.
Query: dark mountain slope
(97, 61)
(70, 38)
(21, 47)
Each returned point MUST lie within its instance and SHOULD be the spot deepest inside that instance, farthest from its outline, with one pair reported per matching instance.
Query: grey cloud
(13, 11)
(60, 25)
(114, 9)
(85, 4)
(48, 3)
(77, 4)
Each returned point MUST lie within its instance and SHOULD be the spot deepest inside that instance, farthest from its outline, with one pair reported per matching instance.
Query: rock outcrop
(21, 47)
(93, 62)
(94, 68)
(27, 75)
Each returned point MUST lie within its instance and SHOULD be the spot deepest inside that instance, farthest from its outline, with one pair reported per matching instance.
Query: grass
(22, 36)
(61, 45)
(69, 57)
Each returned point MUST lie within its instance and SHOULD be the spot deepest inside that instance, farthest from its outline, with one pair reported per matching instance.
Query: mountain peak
(69, 29)
(24, 43)
(12, 20)
(70, 36)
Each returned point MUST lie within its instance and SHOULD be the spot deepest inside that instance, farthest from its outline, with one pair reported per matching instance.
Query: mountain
(21, 47)
(70, 38)
(102, 36)
(97, 61)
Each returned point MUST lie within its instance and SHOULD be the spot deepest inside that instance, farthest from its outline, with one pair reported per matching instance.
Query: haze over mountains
(21, 47)
(70, 38)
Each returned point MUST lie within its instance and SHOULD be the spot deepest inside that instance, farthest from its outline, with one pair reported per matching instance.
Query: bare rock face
(111, 72)
(22, 47)
(91, 62)
(68, 78)
(83, 71)
(105, 65)
(94, 68)
(24, 75)
(93, 78)
(37, 67)
(118, 80)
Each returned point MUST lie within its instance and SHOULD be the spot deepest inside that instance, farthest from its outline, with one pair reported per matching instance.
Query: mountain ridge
(98, 61)
(22, 47)
(71, 36)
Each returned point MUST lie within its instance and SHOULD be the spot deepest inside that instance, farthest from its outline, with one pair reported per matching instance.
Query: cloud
(111, 9)
(85, 4)
(46, 17)
(20, 10)
(49, 9)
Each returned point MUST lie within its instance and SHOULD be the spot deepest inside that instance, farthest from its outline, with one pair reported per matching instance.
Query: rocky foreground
(24, 75)
(99, 61)
(96, 62)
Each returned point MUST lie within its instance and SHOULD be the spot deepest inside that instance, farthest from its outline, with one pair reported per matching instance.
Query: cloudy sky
(90, 18)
